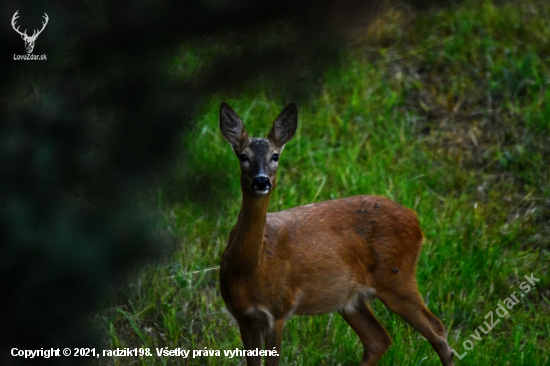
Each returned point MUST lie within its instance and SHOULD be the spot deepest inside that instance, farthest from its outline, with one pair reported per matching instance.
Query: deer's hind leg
(373, 336)
(406, 302)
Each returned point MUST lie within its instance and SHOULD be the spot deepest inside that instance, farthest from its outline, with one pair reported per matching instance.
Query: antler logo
(29, 40)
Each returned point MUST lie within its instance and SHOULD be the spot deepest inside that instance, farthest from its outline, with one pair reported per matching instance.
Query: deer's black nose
(261, 184)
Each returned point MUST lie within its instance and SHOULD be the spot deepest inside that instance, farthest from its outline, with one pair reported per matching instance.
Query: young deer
(317, 258)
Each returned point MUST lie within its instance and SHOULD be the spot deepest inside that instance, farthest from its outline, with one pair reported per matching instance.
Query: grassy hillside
(445, 111)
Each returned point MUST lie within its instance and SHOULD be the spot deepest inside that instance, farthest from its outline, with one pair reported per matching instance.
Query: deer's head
(259, 157)
(29, 40)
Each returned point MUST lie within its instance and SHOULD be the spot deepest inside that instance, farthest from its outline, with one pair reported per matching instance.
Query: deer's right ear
(284, 126)
(232, 127)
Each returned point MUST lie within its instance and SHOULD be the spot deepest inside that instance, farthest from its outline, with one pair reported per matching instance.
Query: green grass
(445, 111)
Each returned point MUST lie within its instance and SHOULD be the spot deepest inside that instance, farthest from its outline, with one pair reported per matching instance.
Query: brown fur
(318, 258)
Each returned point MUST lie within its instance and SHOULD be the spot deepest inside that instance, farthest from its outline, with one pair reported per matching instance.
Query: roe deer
(317, 258)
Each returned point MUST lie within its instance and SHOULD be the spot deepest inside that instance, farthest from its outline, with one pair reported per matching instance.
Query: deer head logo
(29, 40)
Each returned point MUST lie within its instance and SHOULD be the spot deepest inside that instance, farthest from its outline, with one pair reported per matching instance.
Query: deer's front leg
(251, 333)
(273, 339)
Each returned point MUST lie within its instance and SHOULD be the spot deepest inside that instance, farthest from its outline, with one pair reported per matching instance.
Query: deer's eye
(275, 157)
(243, 158)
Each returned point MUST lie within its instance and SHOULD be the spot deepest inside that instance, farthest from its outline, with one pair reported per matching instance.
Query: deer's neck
(247, 245)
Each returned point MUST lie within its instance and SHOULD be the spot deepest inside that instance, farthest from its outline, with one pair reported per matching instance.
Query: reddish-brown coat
(320, 255)
(318, 258)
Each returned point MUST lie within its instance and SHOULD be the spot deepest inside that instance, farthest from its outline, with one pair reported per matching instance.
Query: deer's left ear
(284, 126)
(232, 127)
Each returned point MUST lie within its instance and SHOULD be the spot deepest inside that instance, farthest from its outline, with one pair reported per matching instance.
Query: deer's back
(373, 218)
(372, 235)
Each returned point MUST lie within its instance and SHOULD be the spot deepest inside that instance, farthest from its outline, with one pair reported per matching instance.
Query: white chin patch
(262, 192)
